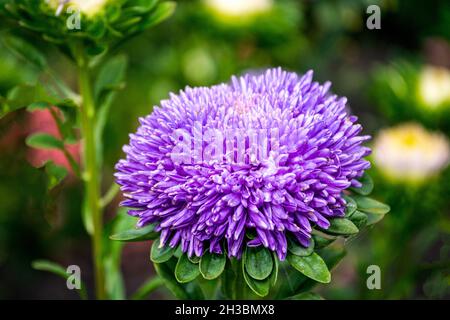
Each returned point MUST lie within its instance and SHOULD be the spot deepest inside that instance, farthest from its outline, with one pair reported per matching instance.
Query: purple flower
(261, 158)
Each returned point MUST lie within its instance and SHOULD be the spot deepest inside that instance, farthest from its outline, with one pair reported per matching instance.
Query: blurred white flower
(88, 7)
(240, 8)
(434, 86)
(408, 152)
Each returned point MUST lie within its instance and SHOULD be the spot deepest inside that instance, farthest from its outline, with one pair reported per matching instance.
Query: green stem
(90, 174)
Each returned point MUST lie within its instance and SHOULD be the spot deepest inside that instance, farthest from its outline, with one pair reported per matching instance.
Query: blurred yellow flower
(239, 8)
(434, 86)
(408, 152)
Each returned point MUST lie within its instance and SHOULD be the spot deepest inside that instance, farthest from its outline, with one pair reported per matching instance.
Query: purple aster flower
(243, 164)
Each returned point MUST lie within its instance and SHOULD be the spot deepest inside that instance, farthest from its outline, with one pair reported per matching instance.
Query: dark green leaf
(322, 241)
(25, 50)
(44, 141)
(311, 266)
(166, 273)
(351, 206)
(111, 75)
(148, 287)
(228, 278)
(160, 254)
(186, 271)
(341, 226)
(141, 234)
(161, 13)
(295, 248)
(331, 256)
(259, 287)
(274, 274)
(359, 219)
(114, 282)
(374, 218)
(96, 28)
(212, 265)
(55, 174)
(370, 205)
(194, 259)
(112, 12)
(22, 96)
(367, 185)
(258, 262)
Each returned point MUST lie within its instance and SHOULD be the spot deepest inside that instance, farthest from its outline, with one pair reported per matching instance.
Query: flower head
(88, 7)
(248, 163)
(239, 8)
(408, 152)
(434, 86)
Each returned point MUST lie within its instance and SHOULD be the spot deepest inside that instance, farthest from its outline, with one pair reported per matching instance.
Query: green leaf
(141, 234)
(111, 75)
(55, 174)
(142, 6)
(194, 259)
(212, 265)
(166, 273)
(306, 296)
(370, 205)
(44, 141)
(114, 283)
(109, 80)
(186, 271)
(259, 287)
(322, 241)
(160, 254)
(374, 218)
(161, 13)
(330, 255)
(258, 262)
(148, 287)
(25, 50)
(41, 105)
(359, 219)
(23, 95)
(274, 274)
(227, 280)
(341, 226)
(367, 185)
(311, 266)
(96, 28)
(295, 248)
(52, 267)
(49, 266)
(351, 206)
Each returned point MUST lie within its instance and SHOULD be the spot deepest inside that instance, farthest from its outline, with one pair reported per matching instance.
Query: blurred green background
(395, 75)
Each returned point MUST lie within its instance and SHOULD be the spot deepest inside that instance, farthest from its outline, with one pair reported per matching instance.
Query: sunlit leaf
(311, 266)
